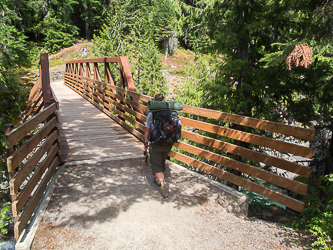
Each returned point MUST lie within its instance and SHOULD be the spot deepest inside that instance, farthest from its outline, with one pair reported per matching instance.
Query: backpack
(166, 127)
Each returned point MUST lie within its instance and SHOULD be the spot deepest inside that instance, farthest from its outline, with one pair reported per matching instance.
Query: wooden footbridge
(97, 114)
(87, 133)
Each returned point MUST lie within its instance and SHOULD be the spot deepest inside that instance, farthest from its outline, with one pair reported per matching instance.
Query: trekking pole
(146, 154)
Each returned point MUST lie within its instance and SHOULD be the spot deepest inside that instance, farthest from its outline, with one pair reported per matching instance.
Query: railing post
(107, 73)
(88, 74)
(122, 81)
(11, 172)
(76, 72)
(127, 80)
(45, 77)
(81, 70)
(97, 75)
(88, 70)
(237, 157)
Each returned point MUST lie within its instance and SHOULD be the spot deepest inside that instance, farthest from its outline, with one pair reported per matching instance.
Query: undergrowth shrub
(5, 219)
(317, 217)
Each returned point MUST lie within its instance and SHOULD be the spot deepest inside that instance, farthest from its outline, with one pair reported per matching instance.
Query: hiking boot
(157, 181)
(165, 189)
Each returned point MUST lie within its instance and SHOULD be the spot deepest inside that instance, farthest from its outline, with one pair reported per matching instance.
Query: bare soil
(116, 205)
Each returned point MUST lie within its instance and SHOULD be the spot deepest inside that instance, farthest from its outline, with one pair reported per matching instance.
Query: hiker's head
(159, 97)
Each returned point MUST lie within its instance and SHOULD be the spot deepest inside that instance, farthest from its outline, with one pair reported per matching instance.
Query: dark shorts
(158, 155)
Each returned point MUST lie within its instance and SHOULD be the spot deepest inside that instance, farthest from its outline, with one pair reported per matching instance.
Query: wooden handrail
(244, 168)
(249, 154)
(22, 130)
(96, 60)
(250, 138)
(22, 152)
(306, 134)
(27, 168)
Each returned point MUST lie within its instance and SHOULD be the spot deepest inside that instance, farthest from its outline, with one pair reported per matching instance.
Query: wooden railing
(35, 101)
(33, 149)
(128, 108)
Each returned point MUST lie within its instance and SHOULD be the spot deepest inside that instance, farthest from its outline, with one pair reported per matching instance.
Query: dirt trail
(116, 205)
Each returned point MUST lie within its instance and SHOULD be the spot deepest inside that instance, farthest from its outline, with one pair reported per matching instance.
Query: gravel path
(116, 205)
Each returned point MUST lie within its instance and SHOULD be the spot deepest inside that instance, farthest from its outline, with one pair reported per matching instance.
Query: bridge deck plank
(87, 133)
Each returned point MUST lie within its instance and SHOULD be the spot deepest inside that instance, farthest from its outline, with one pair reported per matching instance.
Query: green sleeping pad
(158, 105)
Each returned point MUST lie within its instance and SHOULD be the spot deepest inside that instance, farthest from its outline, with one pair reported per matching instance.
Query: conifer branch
(300, 56)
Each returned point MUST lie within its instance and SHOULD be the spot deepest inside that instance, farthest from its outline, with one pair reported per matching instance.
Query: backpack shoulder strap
(155, 116)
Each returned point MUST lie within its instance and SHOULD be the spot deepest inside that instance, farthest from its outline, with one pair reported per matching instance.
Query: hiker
(158, 153)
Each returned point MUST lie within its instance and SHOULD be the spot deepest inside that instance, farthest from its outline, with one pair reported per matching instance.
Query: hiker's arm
(147, 130)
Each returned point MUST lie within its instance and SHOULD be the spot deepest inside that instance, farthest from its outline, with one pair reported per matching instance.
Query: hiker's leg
(156, 155)
(157, 160)
(160, 177)
(165, 152)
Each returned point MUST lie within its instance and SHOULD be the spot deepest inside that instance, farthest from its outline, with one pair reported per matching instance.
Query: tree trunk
(3, 43)
(329, 159)
(165, 45)
(170, 44)
(243, 52)
(87, 29)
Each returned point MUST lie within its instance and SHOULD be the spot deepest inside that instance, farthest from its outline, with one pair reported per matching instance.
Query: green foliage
(318, 214)
(242, 39)
(202, 73)
(147, 72)
(5, 219)
(143, 53)
(130, 35)
(58, 35)
(13, 55)
(13, 45)
(12, 100)
(34, 54)
(322, 226)
(246, 81)
(166, 18)
(56, 26)
(112, 40)
(92, 12)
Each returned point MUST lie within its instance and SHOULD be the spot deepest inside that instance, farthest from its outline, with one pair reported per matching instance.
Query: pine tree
(112, 39)
(167, 24)
(143, 53)
(131, 35)
(147, 70)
